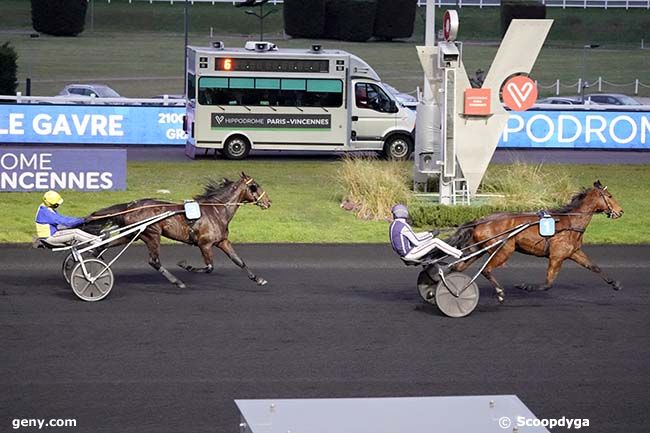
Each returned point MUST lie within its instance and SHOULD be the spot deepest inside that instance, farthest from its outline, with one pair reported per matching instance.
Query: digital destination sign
(230, 64)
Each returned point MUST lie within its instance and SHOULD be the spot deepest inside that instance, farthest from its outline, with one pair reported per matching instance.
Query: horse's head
(603, 201)
(254, 192)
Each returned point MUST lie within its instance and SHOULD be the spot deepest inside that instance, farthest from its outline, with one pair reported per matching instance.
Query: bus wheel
(397, 147)
(236, 147)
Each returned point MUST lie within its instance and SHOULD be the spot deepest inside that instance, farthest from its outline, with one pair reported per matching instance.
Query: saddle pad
(192, 210)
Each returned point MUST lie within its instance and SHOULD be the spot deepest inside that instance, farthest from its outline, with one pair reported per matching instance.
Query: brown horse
(218, 203)
(571, 222)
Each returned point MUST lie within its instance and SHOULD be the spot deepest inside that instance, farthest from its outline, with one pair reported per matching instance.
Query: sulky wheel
(68, 265)
(97, 285)
(458, 297)
(427, 286)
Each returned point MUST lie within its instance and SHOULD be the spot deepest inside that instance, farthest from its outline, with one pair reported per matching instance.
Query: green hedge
(350, 20)
(304, 18)
(59, 17)
(524, 9)
(395, 19)
(8, 82)
(441, 216)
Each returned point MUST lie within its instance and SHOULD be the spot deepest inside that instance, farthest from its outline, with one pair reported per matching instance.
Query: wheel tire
(427, 287)
(88, 290)
(68, 265)
(398, 148)
(236, 148)
(465, 300)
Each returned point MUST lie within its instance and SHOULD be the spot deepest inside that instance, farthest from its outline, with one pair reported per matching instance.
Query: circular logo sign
(450, 25)
(519, 92)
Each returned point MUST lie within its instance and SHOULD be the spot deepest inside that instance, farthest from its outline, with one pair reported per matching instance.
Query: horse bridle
(255, 194)
(610, 211)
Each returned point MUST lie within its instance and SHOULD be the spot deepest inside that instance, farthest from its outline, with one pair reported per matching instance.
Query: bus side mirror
(392, 106)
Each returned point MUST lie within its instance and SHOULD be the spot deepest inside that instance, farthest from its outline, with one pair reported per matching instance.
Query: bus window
(211, 91)
(191, 87)
(276, 92)
(372, 97)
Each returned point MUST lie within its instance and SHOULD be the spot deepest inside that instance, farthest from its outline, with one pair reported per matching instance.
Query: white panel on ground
(470, 414)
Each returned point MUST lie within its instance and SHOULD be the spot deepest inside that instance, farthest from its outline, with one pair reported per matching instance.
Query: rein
(165, 205)
(525, 214)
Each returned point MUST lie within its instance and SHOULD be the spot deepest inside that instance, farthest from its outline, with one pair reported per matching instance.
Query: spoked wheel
(427, 286)
(68, 265)
(458, 297)
(97, 285)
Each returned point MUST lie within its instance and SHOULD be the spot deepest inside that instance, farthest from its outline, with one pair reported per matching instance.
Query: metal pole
(262, 22)
(186, 26)
(429, 38)
(583, 81)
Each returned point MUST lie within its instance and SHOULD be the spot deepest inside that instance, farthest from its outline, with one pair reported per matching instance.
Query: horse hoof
(616, 285)
(261, 281)
(181, 285)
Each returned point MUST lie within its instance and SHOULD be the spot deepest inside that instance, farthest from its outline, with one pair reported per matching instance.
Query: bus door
(373, 113)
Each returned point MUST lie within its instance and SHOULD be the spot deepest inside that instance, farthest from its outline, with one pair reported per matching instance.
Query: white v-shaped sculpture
(477, 137)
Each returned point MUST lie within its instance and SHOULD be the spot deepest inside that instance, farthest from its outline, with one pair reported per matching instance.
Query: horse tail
(462, 237)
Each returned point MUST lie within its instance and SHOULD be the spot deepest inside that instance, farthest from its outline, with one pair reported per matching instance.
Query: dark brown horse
(571, 222)
(218, 203)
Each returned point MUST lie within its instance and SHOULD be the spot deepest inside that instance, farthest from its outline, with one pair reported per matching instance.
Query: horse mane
(216, 190)
(576, 200)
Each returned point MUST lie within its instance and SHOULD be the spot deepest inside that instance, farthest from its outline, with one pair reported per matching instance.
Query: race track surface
(334, 321)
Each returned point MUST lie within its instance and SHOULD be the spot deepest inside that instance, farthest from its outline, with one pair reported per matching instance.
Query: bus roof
(358, 67)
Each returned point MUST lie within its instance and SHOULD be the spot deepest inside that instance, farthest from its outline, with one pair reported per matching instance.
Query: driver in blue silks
(57, 229)
(413, 246)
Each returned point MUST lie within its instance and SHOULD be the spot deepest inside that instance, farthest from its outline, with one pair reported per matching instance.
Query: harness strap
(248, 182)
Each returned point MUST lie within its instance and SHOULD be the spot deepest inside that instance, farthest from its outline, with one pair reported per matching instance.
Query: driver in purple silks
(413, 246)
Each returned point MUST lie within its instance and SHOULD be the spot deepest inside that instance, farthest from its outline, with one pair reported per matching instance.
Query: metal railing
(598, 85)
(165, 100)
(584, 4)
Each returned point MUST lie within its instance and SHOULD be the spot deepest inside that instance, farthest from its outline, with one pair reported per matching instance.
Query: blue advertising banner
(577, 129)
(159, 125)
(91, 124)
(41, 169)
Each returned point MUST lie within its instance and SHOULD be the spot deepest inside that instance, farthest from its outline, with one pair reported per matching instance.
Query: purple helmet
(400, 211)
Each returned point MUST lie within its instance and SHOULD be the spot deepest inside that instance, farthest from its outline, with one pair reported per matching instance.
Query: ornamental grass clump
(371, 186)
(528, 186)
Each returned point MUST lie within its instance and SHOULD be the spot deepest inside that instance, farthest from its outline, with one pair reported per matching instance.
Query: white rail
(19, 98)
(584, 4)
(595, 85)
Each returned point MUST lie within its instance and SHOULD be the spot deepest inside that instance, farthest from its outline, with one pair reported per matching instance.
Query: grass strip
(306, 201)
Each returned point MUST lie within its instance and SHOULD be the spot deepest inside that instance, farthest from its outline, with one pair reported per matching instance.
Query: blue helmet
(400, 211)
